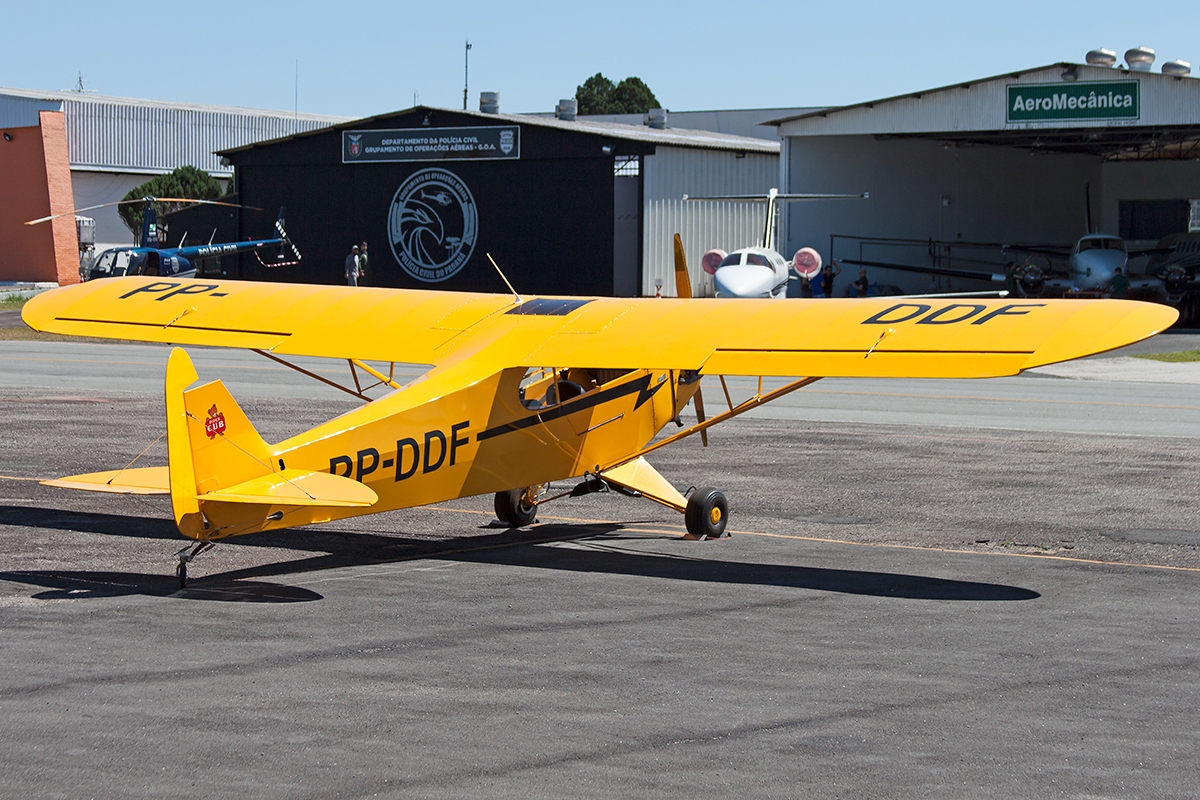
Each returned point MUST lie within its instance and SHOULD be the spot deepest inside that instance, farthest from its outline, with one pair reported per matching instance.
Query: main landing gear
(517, 507)
(187, 554)
(705, 514)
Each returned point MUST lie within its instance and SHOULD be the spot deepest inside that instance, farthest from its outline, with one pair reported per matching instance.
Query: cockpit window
(1101, 244)
(730, 260)
(757, 260)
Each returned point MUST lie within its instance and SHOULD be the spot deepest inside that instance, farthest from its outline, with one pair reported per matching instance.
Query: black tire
(181, 573)
(707, 513)
(512, 509)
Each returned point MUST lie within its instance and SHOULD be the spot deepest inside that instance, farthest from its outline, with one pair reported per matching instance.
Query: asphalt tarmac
(915, 605)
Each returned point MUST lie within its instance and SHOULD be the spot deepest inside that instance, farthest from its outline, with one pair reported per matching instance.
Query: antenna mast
(466, 65)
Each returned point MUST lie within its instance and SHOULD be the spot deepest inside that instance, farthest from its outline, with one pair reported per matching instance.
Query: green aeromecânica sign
(1040, 102)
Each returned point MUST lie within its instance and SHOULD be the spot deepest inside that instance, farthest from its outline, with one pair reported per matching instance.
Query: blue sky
(365, 57)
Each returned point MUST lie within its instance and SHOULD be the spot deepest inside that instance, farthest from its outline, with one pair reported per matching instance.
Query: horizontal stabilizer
(143, 480)
(644, 479)
(295, 487)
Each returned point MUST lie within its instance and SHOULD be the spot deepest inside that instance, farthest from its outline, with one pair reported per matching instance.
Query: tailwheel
(706, 514)
(517, 507)
(187, 554)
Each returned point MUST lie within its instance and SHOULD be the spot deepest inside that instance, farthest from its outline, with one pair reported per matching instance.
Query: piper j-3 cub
(760, 271)
(523, 391)
(152, 256)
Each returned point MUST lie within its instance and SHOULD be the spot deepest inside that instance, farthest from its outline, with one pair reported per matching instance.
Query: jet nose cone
(744, 280)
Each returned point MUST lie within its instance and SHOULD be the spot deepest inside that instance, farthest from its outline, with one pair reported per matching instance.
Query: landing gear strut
(187, 554)
(706, 514)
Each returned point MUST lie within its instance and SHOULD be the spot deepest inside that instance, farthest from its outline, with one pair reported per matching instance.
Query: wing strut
(741, 408)
(359, 391)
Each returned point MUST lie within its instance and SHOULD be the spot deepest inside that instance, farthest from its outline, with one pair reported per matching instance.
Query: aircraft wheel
(513, 508)
(706, 514)
(181, 573)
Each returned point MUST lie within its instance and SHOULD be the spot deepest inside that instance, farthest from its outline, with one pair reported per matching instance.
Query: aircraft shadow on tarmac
(509, 547)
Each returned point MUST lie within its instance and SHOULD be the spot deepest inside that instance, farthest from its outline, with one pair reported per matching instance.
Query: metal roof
(130, 135)
(1167, 125)
(674, 137)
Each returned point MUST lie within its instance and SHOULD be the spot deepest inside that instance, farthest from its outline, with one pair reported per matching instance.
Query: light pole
(466, 65)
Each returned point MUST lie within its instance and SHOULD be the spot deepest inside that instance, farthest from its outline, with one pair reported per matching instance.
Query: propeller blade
(698, 399)
(683, 283)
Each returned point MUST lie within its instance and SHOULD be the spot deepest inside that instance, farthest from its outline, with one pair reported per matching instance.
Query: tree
(634, 97)
(593, 96)
(598, 95)
(186, 181)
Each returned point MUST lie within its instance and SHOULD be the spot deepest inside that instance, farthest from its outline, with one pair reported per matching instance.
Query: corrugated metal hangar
(1007, 159)
(564, 205)
(74, 149)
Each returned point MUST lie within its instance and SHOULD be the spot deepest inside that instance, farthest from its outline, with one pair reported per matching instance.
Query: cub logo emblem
(215, 423)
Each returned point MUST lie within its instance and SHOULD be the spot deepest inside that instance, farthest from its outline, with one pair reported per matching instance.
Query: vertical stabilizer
(149, 227)
(211, 444)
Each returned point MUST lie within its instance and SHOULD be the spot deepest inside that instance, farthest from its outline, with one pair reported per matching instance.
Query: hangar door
(627, 239)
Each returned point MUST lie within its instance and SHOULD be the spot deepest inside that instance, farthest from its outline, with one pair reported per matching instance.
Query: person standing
(364, 265)
(861, 285)
(1119, 285)
(830, 271)
(353, 270)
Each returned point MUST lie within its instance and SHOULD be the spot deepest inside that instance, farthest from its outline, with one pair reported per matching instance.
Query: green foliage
(598, 95)
(186, 181)
(1178, 357)
(634, 97)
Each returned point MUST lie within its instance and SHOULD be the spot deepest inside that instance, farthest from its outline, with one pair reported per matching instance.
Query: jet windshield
(1101, 244)
(756, 259)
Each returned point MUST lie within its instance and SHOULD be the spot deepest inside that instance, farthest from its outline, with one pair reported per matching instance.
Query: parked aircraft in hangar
(761, 271)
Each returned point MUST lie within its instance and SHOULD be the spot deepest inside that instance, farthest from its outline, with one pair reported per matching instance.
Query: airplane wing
(949, 272)
(1049, 250)
(873, 337)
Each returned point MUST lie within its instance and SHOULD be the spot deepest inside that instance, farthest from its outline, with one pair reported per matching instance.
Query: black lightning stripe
(590, 400)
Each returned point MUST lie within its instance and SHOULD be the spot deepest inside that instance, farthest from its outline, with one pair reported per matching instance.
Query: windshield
(757, 260)
(1101, 244)
(730, 260)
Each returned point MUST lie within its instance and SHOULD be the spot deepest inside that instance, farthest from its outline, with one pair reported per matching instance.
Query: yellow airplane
(523, 391)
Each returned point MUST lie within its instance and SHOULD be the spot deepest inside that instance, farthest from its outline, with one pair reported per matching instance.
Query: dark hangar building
(559, 203)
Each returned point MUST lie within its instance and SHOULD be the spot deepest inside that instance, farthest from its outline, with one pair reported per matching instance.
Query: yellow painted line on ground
(884, 545)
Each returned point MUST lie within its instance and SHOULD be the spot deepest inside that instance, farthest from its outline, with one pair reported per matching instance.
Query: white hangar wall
(924, 189)
(671, 173)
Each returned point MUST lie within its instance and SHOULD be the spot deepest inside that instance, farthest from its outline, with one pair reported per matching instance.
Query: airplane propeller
(683, 288)
(74, 211)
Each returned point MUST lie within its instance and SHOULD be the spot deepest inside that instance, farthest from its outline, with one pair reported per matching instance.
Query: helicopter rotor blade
(74, 211)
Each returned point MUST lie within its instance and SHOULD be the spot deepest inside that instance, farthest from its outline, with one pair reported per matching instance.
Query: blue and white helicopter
(152, 257)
